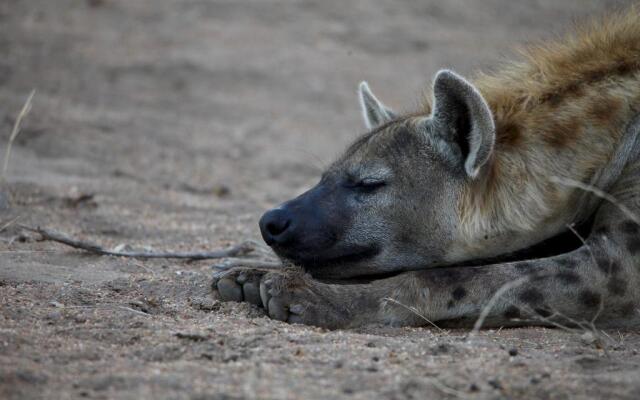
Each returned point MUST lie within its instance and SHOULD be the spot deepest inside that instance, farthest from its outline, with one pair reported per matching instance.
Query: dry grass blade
(599, 193)
(414, 311)
(595, 261)
(14, 133)
(9, 223)
(233, 251)
(492, 302)
(242, 262)
(447, 390)
(117, 306)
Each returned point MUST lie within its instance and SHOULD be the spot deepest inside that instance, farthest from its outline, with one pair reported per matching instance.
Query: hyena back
(438, 213)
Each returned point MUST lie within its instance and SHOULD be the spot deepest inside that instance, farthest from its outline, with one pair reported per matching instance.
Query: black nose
(275, 226)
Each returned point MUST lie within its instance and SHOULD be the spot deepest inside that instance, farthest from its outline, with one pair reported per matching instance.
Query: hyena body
(453, 210)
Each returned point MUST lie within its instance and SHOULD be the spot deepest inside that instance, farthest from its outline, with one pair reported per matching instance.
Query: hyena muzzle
(521, 190)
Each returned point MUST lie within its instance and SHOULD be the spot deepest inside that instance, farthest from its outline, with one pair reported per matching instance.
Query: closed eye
(366, 184)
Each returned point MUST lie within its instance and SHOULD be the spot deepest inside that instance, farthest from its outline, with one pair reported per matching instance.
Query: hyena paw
(287, 295)
(294, 297)
(238, 284)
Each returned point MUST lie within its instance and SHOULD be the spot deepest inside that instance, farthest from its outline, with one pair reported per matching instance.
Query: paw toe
(264, 295)
(296, 319)
(277, 309)
(229, 290)
(251, 292)
(296, 309)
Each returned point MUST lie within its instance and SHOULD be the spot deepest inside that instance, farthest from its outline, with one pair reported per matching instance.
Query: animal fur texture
(519, 189)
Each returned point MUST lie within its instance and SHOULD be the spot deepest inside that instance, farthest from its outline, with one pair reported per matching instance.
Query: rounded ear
(463, 119)
(374, 112)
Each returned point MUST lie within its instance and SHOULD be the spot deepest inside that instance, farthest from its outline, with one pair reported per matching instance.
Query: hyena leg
(599, 283)
(596, 283)
(590, 284)
(294, 296)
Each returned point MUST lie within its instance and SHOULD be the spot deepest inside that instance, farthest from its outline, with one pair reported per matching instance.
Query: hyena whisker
(316, 161)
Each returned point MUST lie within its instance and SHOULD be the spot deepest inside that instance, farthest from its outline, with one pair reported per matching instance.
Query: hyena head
(390, 202)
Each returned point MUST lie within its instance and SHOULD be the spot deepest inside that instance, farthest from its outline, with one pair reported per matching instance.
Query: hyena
(521, 189)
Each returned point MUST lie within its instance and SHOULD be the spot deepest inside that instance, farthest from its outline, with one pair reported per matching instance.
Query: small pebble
(494, 383)
(80, 319)
(54, 316)
(513, 352)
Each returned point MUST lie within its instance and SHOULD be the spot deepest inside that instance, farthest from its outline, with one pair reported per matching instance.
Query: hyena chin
(473, 195)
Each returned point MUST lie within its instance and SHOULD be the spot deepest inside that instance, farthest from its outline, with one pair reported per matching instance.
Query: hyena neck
(561, 115)
(529, 193)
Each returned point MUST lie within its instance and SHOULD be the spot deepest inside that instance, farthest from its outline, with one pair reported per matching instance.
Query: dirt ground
(174, 125)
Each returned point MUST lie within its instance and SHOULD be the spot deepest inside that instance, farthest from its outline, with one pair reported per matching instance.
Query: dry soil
(174, 125)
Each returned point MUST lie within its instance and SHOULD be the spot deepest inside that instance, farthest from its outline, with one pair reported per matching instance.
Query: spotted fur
(474, 188)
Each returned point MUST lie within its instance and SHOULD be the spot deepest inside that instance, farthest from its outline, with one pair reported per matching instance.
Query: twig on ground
(448, 390)
(112, 305)
(233, 251)
(25, 251)
(9, 223)
(125, 308)
(415, 311)
(242, 262)
(14, 133)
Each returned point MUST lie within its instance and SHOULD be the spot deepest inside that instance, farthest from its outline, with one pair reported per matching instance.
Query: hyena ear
(463, 120)
(373, 111)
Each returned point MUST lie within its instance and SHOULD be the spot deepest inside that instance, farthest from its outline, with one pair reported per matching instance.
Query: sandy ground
(174, 125)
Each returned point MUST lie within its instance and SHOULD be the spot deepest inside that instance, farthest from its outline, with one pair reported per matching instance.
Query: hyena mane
(560, 110)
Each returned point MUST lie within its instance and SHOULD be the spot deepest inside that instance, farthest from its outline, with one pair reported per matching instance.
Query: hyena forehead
(386, 148)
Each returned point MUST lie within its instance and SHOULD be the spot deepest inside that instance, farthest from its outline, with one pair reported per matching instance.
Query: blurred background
(173, 124)
(194, 116)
